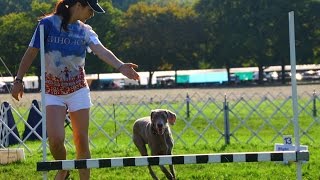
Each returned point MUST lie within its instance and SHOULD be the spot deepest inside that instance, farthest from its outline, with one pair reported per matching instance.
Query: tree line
(178, 34)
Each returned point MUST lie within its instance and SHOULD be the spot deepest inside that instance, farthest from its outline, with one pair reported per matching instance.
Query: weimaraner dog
(155, 131)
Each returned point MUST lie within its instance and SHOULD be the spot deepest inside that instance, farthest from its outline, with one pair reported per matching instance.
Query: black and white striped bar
(274, 156)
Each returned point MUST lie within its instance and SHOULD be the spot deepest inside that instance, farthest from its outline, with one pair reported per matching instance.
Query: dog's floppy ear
(171, 117)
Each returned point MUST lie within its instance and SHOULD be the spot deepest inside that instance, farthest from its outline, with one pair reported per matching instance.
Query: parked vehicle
(5, 87)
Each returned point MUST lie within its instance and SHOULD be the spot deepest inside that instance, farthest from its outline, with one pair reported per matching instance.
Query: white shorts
(75, 101)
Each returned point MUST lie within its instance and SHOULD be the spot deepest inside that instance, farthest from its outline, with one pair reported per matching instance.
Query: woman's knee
(81, 139)
(56, 141)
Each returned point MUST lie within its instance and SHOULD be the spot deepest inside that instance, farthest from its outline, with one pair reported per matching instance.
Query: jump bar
(274, 156)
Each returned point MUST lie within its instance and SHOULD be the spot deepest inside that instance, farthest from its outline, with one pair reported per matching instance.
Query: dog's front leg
(172, 171)
(171, 166)
(166, 172)
(152, 173)
(170, 142)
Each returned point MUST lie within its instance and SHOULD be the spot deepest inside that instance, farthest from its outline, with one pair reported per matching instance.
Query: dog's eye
(164, 116)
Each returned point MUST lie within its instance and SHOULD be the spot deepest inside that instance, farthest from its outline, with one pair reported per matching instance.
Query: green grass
(255, 125)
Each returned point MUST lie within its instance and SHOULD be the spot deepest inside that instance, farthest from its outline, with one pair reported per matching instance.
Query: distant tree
(255, 33)
(105, 25)
(167, 2)
(15, 34)
(14, 6)
(223, 27)
(16, 30)
(123, 4)
(155, 37)
(307, 30)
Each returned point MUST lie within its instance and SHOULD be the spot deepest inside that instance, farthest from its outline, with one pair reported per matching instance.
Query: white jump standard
(279, 156)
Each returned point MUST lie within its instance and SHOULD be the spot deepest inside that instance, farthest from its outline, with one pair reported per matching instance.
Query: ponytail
(63, 9)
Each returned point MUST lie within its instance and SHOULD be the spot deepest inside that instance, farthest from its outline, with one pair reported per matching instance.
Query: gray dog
(155, 131)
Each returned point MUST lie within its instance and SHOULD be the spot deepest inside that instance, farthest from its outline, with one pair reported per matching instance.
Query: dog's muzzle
(160, 129)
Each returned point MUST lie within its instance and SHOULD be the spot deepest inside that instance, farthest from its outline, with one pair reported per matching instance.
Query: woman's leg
(55, 116)
(80, 126)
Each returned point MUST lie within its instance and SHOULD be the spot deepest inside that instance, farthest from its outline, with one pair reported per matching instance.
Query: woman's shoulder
(50, 19)
(85, 26)
(47, 17)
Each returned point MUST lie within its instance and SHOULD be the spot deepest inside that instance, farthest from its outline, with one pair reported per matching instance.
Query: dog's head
(160, 119)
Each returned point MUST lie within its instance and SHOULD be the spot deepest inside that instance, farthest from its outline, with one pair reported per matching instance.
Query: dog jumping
(154, 130)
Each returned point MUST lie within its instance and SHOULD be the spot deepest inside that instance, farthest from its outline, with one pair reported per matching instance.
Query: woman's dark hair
(63, 9)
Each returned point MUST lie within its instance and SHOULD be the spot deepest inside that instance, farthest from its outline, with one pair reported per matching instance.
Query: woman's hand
(127, 69)
(17, 90)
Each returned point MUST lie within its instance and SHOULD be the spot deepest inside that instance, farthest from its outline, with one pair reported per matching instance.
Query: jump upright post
(43, 105)
(294, 89)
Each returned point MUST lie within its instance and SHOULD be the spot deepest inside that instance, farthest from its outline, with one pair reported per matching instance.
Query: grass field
(268, 170)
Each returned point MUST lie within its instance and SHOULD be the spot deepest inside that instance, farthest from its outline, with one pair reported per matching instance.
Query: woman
(67, 38)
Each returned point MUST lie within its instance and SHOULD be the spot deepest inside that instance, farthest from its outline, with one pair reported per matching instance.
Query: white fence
(201, 119)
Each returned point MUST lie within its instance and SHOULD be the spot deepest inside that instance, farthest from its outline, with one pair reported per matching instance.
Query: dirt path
(115, 94)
